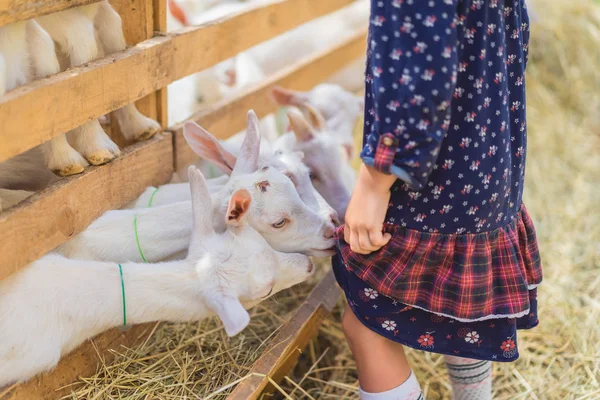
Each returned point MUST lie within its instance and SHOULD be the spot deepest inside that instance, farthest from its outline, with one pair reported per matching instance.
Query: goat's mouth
(328, 252)
(268, 294)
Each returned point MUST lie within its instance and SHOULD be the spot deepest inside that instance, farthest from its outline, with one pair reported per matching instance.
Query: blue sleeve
(410, 79)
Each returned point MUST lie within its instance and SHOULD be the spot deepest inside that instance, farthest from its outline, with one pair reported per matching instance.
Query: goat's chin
(319, 253)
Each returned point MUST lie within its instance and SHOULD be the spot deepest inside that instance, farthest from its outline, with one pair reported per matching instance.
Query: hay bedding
(559, 360)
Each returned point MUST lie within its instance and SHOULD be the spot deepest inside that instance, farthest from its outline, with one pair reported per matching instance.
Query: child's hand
(366, 211)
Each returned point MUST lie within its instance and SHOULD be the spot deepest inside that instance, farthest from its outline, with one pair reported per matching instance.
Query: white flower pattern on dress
(388, 325)
(472, 337)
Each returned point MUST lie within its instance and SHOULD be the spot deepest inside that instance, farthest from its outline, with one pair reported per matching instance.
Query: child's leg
(381, 363)
(471, 379)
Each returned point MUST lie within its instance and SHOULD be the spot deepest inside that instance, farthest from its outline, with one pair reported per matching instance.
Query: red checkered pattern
(385, 153)
(468, 277)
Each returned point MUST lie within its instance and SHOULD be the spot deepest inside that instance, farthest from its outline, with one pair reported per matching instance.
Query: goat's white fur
(164, 230)
(331, 173)
(54, 304)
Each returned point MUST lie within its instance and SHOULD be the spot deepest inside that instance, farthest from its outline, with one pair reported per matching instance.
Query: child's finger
(379, 239)
(364, 242)
(347, 233)
(355, 244)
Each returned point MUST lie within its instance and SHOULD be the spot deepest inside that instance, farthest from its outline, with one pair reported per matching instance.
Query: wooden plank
(51, 217)
(73, 97)
(20, 10)
(83, 361)
(285, 348)
(198, 49)
(228, 117)
(160, 27)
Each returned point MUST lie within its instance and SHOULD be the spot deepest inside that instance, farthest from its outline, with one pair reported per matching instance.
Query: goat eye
(313, 176)
(280, 224)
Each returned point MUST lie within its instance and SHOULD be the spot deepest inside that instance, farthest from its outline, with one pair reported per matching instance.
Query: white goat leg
(60, 157)
(13, 46)
(73, 30)
(134, 125)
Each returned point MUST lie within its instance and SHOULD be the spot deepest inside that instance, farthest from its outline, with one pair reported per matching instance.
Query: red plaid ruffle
(467, 277)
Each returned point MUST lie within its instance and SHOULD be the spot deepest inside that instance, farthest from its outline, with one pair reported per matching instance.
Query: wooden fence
(35, 113)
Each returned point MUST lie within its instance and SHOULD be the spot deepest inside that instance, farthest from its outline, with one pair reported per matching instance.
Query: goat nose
(334, 218)
(329, 231)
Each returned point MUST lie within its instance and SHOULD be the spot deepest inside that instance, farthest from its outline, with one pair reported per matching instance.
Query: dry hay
(193, 360)
(560, 359)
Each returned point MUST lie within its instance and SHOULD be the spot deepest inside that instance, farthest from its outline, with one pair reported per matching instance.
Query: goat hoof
(148, 133)
(100, 157)
(69, 170)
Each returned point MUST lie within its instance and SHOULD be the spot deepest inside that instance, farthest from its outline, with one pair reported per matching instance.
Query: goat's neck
(164, 231)
(169, 291)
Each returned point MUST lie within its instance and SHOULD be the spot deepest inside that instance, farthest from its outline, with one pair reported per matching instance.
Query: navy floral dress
(445, 113)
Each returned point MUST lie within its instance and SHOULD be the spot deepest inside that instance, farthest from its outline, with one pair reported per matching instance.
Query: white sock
(409, 390)
(470, 379)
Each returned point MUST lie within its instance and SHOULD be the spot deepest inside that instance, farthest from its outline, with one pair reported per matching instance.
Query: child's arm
(412, 67)
(366, 211)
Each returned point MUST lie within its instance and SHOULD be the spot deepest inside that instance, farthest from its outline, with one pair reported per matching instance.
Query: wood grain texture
(228, 117)
(83, 361)
(20, 10)
(285, 347)
(52, 106)
(53, 216)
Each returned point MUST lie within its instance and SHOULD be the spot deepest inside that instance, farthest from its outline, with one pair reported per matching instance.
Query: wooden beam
(20, 10)
(53, 216)
(83, 361)
(52, 106)
(198, 49)
(285, 348)
(228, 117)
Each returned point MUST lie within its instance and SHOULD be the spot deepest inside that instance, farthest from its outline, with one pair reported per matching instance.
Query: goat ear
(247, 162)
(239, 204)
(300, 126)
(177, 12)
(204, 144)
(201, 203)
(286, 97)
(230, 311)
(315, 118)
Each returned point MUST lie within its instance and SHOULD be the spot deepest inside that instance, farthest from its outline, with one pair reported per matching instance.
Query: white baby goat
(330, 171)
(341, 109)
(51, 306)
(214, 153)
(277, 213)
